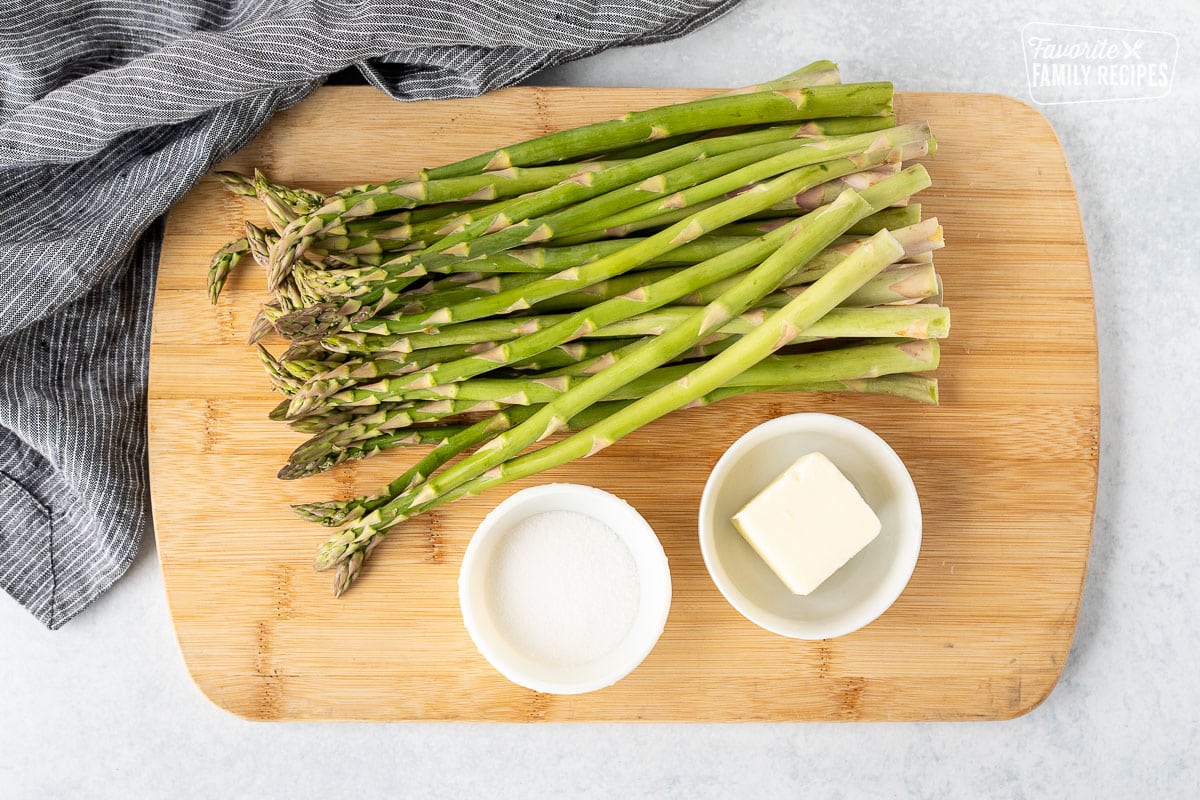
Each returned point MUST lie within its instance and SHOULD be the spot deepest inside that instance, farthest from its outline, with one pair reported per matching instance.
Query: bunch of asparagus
(593, 280)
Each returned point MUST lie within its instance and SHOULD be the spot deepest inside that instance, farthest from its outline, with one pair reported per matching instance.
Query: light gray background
(104, 707)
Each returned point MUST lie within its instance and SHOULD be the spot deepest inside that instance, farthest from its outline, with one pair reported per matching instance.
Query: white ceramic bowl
(861, 590)
(654, 583)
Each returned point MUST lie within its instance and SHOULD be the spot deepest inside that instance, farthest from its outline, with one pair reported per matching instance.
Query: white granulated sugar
(562, 588)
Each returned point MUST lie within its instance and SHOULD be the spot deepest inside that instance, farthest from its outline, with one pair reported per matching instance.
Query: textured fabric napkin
(109, 112)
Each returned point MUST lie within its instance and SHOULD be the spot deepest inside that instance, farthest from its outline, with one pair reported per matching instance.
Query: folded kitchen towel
(109, 111)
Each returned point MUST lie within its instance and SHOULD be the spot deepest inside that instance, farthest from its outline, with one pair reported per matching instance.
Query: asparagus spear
(898, 285)
(918, 240)
(910, 321)
(541, 390)
(538, 333)
(755, 108)
(299, 236)
(890, 218)
(545, 260)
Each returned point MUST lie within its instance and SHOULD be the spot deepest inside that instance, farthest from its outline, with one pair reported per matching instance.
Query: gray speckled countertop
(104, 707)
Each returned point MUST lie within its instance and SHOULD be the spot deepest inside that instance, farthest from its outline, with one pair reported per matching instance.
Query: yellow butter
(808, 523)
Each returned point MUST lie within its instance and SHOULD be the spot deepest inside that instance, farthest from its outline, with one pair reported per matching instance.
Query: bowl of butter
(810, 526)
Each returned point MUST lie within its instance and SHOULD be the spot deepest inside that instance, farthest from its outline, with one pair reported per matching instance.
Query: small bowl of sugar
(564, 588)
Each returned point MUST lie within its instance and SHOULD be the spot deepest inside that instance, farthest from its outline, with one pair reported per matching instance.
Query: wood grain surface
(1005, 467)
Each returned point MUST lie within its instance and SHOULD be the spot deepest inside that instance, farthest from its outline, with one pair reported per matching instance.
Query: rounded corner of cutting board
(225, 702)
(208, 682)
(1026, 704)
(1031, 111)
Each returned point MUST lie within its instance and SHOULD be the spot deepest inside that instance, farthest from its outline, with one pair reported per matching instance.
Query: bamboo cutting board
(1005, 468)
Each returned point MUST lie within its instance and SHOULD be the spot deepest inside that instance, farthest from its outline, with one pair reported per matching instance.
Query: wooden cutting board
(1005, 467)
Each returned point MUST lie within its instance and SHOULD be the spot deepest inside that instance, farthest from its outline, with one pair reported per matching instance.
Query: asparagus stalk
(827, 192)
(487, 186)
(498, 329)
(890, 218)
(833, 126)
(573, 359)
(919, 321)
(805, 374)
(446, 293)
(320, 423)
(320, 320)
(546, 260)
(770, 372)
(486, 220)
(902, 321)
(636, 127)
(346, 431)
(530, 209)
(710, 346)
(781, 327)
(918, 240)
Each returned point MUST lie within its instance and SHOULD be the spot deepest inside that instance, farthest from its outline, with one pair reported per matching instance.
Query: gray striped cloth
(109, 111)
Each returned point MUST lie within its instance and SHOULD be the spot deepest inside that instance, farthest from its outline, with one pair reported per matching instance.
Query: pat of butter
(808, 523)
